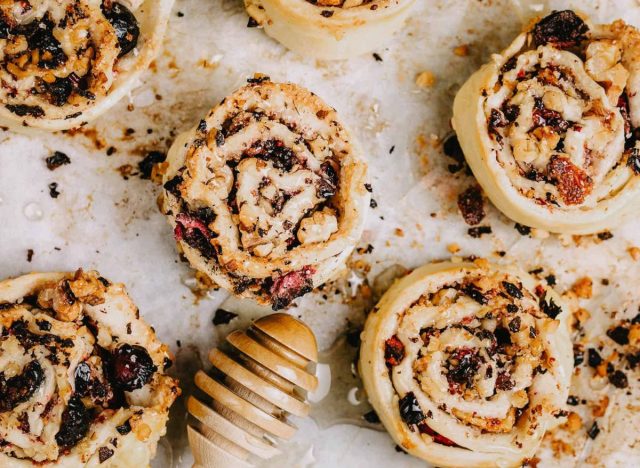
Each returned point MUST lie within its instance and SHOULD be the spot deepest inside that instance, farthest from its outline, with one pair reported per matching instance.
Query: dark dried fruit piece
(471, 205)
(22, 110)
(410, 410)
(104, 453)
(594, 358)
(463, 366)
(551, 309)
(619, 334)
(222, 317)
(562, 29)
(195, 233)
(21, 387)
(594, 430)
(475, 293)
(125, 24)
(618, 379)
(74, 425)
(393, 351)
(56, 160)
(133, 368)
(151, 159)
(513, 290)
(523, 230)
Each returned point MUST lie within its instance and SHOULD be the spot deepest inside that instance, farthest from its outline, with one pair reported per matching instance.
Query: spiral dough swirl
(267, 194)
(62, 62)
(468, 365)
(549, 127)
(82, 377)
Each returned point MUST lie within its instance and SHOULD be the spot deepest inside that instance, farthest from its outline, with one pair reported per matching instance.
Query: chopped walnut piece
(634, 252)
(583, 288)
(453, 248)
(426, 79)
(461, 50)
(601, 407)
(634, 334)
(582, 315)
(67, 296)
(574, 422)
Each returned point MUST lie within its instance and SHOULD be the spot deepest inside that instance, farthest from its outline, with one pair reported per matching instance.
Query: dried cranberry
(393, 351)
(563, 29)
(56, 160)
(287, 287)
(223, 317)
(476, 294)
(133, 368)
(437, 438)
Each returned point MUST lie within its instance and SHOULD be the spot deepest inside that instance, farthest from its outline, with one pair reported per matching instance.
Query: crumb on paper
(461, 50)
(426, 79)
(453, 248)
(634, 252)
(583, 288)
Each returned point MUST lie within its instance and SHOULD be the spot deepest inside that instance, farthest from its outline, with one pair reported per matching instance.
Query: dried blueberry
(410, 410)
(21, 387)
(125, 24)
(74, 425)
(619, 334)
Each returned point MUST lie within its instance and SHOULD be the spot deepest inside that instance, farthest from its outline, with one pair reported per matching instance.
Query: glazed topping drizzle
(58, 57)
(559, 113)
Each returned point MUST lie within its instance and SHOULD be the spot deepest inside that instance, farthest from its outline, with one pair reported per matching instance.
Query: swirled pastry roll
(65, 62)
(330, 29)
(82, 377)
(267, 193)
(467, 365)
(549, 127)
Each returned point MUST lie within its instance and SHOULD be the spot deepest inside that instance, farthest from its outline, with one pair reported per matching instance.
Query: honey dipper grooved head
(255, 386)
(291, 332)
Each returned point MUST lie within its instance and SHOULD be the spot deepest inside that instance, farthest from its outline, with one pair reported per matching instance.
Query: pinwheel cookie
(267, 193)
(330, 29)
(549, 126)
(65, 62)
(468, 365)
(82, 377)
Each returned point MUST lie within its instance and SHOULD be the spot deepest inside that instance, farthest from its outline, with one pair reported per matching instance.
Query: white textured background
(101, 221)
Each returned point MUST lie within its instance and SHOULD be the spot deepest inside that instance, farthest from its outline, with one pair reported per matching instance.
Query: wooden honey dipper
(258, 385)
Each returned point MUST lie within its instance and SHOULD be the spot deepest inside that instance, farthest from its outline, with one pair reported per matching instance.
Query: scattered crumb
(453, 248)
(582, 315)
(29, 255)
(601, 407)
(461, 50)
(426, 79)
(634, 252)
(399, 232)
(574, 422)
(583, 288)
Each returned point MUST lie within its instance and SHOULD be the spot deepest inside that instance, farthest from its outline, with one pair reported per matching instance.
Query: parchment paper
(107, 220)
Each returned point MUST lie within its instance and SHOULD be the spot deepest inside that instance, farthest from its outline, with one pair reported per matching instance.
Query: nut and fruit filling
(58, 57)
(559, 114)
(475, 349)
(66, 374)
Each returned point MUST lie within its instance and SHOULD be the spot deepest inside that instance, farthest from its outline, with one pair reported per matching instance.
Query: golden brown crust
(267, 194)
(83, 377)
